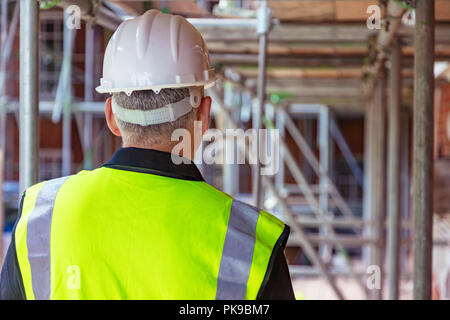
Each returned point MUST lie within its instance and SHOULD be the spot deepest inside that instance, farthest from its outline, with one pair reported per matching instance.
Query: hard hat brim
(205, 84)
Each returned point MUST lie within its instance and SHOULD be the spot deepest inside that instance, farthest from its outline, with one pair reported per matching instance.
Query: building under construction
(358, 92)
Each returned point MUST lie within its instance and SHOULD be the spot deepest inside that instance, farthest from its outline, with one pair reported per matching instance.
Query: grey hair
(149, 100)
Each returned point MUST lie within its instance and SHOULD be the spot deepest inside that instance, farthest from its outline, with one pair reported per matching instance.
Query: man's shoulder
(242, 206)
(55, 183)
(208, 190)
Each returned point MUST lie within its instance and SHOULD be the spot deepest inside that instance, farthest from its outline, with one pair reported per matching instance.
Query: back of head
(156, 66)
(147, 100)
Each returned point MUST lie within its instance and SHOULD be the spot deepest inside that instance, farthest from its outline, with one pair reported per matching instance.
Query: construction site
(357, 92)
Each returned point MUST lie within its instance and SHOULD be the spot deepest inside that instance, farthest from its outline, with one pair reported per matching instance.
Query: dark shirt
(276, 283)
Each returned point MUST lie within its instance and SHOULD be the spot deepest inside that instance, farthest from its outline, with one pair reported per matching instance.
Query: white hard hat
(155, 51)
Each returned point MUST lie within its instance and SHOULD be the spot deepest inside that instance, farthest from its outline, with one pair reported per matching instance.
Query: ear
(203, 113)
(110, 119)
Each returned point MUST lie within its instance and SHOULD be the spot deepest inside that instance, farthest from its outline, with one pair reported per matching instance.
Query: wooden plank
(311, 73)
(442, 51)
(442, 11)
(351, 10)
(442, 33)
(305, 73)
(300, 10)
(311, 10)
(222, 47)
(299, 61)
(287, 32)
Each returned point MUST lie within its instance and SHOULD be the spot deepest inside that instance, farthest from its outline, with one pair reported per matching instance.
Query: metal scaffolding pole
(368, 152)
(3, 36)
(279, 177)
(29, 94)
(393, 186)
(308, 132)
(3, 113)
(230, 172)
(324, 157)
(378, 180)
(66, 99)
(262, 30)
(423, 147)
(405, 184)
(88, 96)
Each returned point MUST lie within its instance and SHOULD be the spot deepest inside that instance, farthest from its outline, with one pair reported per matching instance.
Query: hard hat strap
(168, 113)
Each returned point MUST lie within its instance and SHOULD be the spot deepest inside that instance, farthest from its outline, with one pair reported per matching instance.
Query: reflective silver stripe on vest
(38, 238)
(237, 252)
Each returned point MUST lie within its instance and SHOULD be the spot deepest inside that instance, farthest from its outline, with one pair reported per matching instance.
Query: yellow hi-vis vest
(116, 234)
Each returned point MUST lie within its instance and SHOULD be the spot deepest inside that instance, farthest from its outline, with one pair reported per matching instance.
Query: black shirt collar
(154, 162)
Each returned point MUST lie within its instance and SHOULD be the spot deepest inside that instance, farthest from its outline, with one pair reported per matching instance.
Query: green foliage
(407, 4)
(268, 123)
(48, 4)
(276, 97)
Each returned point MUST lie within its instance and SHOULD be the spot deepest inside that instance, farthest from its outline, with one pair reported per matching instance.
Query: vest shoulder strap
(33, 237)
(251, 238)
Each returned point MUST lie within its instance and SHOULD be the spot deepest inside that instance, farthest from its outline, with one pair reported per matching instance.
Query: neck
(159, 147)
